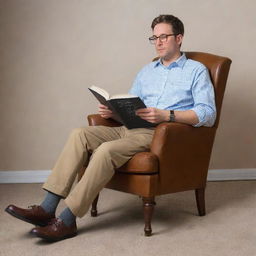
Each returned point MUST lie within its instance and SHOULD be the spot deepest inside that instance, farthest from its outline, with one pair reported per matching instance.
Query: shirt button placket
(165, 76)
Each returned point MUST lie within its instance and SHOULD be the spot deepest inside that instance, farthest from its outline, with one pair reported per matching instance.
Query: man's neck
(168, 60)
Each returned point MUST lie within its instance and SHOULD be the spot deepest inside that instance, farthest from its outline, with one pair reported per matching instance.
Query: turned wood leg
(148, 208)
(200, 201)
(94, 212)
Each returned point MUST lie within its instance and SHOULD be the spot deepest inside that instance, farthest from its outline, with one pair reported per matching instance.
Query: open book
(123, 106)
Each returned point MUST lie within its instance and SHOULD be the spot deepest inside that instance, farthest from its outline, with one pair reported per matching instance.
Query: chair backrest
(218, 67)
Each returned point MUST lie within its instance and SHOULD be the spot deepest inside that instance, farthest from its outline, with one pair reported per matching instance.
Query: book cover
(123, 106)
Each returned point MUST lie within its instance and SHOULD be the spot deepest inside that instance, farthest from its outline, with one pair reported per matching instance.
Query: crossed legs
(110, 148)
(104, 148)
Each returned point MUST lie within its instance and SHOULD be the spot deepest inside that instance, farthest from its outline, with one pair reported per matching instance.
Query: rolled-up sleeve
(204, 99)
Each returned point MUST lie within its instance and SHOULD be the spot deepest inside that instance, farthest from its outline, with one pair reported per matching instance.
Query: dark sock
(67, 217)
(50, 202)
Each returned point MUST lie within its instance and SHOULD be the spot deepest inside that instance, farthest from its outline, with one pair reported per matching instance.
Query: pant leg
(107, 157)
(80, 143)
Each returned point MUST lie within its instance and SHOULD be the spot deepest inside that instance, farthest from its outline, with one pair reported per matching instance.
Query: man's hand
(153, 115)
(105, 112)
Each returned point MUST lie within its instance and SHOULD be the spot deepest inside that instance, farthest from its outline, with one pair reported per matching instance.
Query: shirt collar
(179, 62)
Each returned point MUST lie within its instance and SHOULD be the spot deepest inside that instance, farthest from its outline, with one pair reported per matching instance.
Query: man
(173, 88)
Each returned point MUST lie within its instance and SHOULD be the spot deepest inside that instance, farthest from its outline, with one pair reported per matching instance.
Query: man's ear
(179, 39)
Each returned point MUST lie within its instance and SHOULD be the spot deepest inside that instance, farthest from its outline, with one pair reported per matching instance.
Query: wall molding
(231, 174)
(40, 176)
(33, 176)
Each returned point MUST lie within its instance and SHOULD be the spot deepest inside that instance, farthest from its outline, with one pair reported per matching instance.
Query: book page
(122, 96)
(100, 91)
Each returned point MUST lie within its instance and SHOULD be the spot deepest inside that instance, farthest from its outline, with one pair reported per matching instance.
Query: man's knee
(76, 131)
(105, 147)
(109, 152)
(108, 149)
(78, 134)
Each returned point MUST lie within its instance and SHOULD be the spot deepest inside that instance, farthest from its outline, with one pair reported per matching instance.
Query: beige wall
(51, 51)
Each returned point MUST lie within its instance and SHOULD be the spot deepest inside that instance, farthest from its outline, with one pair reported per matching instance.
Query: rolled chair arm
(96, 119)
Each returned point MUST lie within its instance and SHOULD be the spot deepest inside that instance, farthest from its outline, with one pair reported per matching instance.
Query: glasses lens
(163, 38)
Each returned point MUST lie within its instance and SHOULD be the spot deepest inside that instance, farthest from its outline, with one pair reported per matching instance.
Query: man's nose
(158, 41)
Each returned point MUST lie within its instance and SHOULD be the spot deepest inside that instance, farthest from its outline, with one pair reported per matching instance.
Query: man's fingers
(146, 114)
(151, 120)
(105, 112)
(149, 114)
(103, 106)
(104, 109)
(143, 110)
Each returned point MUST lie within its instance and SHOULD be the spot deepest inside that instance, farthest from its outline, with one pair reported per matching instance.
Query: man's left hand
(153, 115)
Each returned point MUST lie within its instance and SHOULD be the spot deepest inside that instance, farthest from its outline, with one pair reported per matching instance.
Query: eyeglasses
(162, 38)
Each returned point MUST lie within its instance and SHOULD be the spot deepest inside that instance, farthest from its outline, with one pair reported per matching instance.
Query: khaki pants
(110, 147)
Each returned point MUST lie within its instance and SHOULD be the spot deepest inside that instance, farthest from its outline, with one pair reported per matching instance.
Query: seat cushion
(141, 163)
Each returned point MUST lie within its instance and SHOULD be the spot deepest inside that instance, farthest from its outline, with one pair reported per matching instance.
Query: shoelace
(33, 207)
(55, 221)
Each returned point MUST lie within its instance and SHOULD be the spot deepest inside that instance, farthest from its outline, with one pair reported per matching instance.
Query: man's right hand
(105, 112)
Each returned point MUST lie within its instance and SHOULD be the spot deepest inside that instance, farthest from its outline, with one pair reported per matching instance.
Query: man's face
(170, 48)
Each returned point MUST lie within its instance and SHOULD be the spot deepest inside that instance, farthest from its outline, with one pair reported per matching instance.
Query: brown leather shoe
(55, 231)
(35, 215)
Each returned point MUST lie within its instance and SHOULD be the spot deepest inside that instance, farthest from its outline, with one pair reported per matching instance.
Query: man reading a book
(174, 89)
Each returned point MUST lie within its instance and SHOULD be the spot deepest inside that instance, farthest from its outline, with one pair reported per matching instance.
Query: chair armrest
(184, 153)
(96, 119)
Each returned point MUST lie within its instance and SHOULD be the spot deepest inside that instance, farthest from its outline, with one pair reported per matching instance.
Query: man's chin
(161, 55)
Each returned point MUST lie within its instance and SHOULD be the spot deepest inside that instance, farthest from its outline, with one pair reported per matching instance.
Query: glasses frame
(153, 39)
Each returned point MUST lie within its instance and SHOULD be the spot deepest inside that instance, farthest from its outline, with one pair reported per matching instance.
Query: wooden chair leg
(200, 201)
(148, 209)
(94, 211)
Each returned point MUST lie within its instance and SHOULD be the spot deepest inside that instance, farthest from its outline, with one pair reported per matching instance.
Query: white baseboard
(36, 176)
(231, 174)
(40, 176)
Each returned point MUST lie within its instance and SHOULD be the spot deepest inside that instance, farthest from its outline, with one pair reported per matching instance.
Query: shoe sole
(41, 224)
(51, 239)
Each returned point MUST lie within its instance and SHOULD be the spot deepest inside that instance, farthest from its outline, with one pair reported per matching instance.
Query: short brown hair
(176, 23)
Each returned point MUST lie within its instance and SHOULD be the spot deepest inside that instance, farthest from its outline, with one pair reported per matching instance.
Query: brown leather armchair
(179, 155)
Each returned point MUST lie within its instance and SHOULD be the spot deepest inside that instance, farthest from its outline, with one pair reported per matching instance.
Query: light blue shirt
(184, 85)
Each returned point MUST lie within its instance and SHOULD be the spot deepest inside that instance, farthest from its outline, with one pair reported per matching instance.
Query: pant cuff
(74, 209)
(55, 189)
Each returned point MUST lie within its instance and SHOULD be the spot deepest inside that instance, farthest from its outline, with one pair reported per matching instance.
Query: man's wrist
(167, 116)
